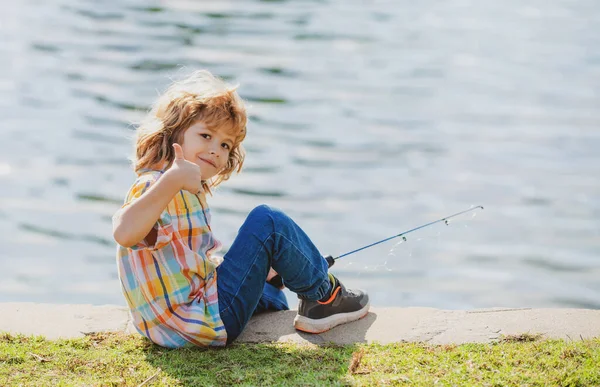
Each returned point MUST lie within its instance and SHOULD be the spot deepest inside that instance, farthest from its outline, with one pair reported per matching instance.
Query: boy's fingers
(272, 273)
(178, 151)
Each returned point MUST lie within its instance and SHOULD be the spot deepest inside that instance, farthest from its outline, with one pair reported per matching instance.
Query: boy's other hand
(188, 174)
(272, 274)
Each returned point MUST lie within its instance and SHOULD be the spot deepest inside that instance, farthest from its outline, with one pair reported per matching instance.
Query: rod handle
(330, 260)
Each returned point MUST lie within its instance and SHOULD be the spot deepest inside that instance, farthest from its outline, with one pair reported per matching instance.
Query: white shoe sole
(309, 325)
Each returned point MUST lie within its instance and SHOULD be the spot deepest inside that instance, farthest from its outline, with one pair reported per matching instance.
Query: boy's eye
(225, 145)
(205, 135)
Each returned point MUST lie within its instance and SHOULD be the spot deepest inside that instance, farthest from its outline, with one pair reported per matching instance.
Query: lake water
(368, 118)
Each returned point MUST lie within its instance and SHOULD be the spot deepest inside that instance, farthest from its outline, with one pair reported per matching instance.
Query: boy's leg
(267, 238)
(272, 299)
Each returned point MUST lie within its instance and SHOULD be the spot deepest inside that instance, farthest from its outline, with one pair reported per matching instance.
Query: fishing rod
(331, 260)
(278, 282)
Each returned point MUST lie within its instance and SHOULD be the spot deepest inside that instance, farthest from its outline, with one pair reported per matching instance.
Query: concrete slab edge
(382, 325)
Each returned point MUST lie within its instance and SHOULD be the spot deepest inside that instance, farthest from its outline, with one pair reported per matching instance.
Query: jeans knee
(260, 217)
(260, 213)
(267, 217)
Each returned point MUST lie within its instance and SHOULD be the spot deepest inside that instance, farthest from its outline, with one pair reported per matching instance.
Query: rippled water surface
(368, 118)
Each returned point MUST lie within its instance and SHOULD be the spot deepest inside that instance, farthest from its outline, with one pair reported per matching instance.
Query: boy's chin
(208, 176)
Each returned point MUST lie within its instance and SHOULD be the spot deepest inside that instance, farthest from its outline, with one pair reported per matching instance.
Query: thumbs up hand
(188, 174)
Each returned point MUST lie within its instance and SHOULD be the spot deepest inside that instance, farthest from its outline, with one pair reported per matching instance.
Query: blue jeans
(268, 238)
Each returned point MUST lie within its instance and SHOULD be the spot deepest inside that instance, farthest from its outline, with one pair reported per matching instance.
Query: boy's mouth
(208, 162)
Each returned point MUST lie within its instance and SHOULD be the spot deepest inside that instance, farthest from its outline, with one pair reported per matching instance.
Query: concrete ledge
(383, 325)
(63, 320)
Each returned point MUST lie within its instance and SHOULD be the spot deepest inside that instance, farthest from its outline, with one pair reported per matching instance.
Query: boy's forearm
(133, 222)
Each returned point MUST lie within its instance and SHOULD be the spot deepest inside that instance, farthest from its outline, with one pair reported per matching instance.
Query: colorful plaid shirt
(171, 286)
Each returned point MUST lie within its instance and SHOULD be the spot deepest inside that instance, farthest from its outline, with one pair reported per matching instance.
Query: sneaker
(343, 306)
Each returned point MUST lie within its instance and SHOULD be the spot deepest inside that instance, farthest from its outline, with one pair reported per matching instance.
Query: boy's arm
(133, 223)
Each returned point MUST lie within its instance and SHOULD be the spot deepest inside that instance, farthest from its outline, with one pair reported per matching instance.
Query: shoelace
(351, 293)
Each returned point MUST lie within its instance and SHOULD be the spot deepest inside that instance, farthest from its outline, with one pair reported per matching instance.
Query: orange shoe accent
(318, 332)
(330, 300)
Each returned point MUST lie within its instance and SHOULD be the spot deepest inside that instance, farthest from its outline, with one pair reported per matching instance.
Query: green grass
(119, 360)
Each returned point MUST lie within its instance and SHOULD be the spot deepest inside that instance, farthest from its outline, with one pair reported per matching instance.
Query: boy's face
(209, 149)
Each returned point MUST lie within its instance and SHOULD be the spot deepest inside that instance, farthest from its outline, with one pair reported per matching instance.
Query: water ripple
(363, 118)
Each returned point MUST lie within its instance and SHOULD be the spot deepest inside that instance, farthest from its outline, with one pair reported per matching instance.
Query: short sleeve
(163, 226)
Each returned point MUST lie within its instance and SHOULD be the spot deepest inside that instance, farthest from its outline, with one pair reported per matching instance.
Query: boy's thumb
(178, 151)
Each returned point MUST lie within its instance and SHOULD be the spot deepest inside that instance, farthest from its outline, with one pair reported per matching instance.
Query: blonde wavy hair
(199, 97)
